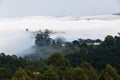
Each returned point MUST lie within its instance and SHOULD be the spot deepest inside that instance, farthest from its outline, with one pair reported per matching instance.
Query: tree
(21, 74)
(3, 72)
(109, 40)
(109, 73)
(58, 60)
(90, 71)
(117, 41)
(59, 41)
(50, 74)
(42, 38)
(2, 54)
(76, 43)
(79, 74)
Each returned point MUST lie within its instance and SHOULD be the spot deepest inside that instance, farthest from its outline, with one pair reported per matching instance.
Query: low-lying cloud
(14, 39)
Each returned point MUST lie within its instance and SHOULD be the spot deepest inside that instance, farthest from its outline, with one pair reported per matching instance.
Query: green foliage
(109, 73)
(58, 60)
(79, 74)
(108, 51)
(3, 72)
(109, 40)
(21, 74)
(68, 64)
(50, 74)
(90, 71)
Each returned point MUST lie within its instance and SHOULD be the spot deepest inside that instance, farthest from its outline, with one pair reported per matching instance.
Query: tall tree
(79, 74)
(90, 71)
(50, 74)
(58, 60)
(109, 40)
(109, 73)
(21, 74)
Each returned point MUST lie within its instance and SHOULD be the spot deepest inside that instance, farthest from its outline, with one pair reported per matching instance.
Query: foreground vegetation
(56, 67)
(82, 59)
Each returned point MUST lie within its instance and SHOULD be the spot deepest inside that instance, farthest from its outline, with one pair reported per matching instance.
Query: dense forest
(82, 59)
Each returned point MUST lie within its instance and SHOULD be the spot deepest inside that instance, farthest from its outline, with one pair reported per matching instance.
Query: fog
(14, 38)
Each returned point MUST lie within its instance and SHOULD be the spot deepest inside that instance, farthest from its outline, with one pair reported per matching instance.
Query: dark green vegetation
(77, 60)
(56, 67)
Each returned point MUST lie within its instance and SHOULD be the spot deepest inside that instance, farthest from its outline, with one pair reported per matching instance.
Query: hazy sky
(18, 8)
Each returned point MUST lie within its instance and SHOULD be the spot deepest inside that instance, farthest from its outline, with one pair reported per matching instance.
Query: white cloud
(14, 38)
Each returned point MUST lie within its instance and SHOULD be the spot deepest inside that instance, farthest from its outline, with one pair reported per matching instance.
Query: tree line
(56, 67)
(82, 59)
(98, 52)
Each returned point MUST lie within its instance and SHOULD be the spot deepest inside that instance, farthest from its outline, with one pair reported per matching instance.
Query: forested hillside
(82, 59)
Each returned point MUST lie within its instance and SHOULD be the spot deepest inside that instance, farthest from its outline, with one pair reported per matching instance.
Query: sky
(27, 8)
(17, 15)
